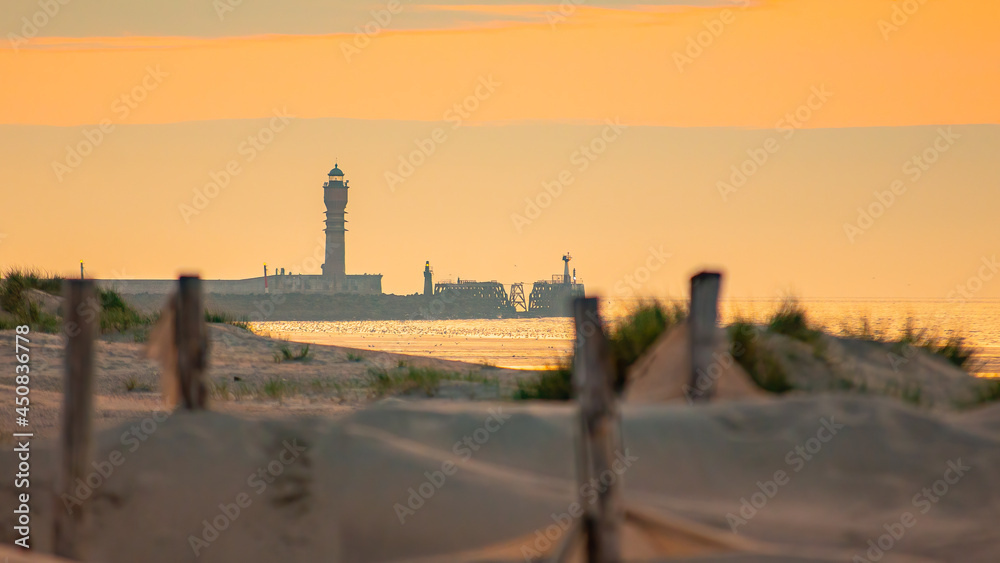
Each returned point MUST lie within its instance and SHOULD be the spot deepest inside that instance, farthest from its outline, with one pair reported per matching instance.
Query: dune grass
(952, 348)
(132, 383)
(219, 389)
(791, 320)
(404, 380)
(14, 300)
(240, 391)
(550, 385)
(34, 279)
(763, 368)
(862, 329)
(117, 315)
(987, 391)
(408, 380)
(628, 340)
(224, 317)
(285, 354)
(277, 388)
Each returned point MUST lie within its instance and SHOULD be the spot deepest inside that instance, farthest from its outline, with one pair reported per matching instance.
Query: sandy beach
(332, 381)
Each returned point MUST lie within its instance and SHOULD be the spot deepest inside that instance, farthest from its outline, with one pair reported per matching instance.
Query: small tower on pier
(428, 279)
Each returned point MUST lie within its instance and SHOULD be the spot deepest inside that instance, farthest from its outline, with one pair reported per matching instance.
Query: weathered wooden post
(192, 343)
(593, 374)
(702, 320)
(81, 317)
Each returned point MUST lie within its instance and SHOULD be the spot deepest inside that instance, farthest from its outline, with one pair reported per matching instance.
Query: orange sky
(208, 84)
(941, 66)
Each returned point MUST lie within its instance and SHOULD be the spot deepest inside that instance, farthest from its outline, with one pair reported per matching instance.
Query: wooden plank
(593, 376)
(192, 344)
(81, 318)
(702, 324)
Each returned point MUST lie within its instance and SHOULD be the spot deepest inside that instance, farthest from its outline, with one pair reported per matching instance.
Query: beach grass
(15, 289)
(277, 388)
(224, 317)
(790, 319)
(117, 315)
(630, 338)
(285, 354)
(549, 385)
(953, 348)
(760, 363)
(408, 380)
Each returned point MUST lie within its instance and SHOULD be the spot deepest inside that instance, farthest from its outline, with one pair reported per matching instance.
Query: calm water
(534, 343)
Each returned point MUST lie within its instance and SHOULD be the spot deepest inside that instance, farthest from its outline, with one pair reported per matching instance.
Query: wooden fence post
(593, 374)
(702, 321)
(81, 317)
(192, 343)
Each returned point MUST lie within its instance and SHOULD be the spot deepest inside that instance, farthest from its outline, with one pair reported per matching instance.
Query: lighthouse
(335, 197)
(428, 279)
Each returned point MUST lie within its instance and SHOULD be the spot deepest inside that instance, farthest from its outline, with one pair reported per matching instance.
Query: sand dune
(329, 383)
(805, 479)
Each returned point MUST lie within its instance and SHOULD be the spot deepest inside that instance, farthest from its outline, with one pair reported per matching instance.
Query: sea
(539, 343)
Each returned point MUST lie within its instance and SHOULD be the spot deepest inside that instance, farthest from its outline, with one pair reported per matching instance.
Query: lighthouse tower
(335, 197)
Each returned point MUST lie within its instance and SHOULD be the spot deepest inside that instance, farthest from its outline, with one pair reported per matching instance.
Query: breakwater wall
(339, 307)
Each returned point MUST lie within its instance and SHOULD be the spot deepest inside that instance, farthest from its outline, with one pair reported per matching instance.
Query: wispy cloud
(126, 18)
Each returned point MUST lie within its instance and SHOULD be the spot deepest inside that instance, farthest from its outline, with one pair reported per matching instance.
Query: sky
(825, 149)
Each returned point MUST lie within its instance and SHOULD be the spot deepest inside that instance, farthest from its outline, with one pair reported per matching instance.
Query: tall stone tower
(335, 197)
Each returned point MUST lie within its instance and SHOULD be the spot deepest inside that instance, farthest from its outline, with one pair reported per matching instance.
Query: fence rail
(599, 439)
